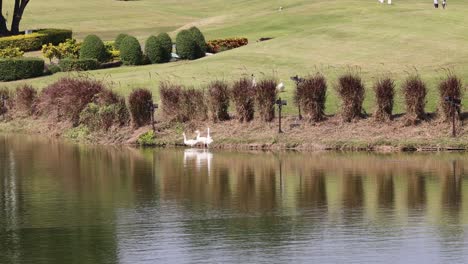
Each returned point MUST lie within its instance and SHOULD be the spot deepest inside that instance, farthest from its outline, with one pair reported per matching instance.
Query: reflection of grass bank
(362, 135)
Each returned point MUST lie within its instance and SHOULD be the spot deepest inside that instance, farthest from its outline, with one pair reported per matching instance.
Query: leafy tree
(19, 7)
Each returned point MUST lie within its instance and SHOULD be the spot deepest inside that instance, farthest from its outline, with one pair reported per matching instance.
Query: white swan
(280, 87)
(190, 142)
(201, 139)
(209, 139)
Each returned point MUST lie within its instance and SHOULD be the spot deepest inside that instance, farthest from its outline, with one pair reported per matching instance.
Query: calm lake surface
(66, 203)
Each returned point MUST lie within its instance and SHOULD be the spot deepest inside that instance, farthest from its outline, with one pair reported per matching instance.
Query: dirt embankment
(331, 134)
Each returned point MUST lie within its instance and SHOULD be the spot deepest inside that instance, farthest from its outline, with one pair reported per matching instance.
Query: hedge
(93, 48)
(35, 40)
(199, 39)
(130, 51)
(78, 64)
(20, 68)
(118, 40)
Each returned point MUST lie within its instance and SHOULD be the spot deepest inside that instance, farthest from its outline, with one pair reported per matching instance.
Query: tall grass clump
(243, 97)
(193, 105)
(171, 96)
(265, 98)
(414, 91)
(139, 102)
(384, 90)
(451, 86)
(311, 95)
(67, 97)
(25, 99)
(351, 91)
(218, 100)
(7, 104)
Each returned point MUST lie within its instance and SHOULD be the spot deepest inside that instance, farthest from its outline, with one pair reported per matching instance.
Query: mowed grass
(309, 35)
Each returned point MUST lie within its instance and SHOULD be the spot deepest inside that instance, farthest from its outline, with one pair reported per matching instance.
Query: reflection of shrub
(242, 96)
(25, 99)
(93, 48)
(311, 95)
(130, 51)
(384, 94)
(218, 100)
(415, 91)
(449, 87)
(351, 91)
(218, 45)
(139, 102)
(265, 97)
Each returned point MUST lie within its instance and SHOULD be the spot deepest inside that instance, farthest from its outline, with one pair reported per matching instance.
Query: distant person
(444, 4)
(436, 3)
(381, 1)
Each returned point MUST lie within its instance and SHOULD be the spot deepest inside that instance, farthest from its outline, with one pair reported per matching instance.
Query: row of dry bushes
(311, 92)
(79, 101)
(184, 104)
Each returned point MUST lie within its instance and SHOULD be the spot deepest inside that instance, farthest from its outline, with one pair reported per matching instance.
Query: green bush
(10, 52)
(20, 68)
(69, 64)
(68, 49)
(187, 47)
(166, 42)
(118, 40)
(35, 40)
(54, 68)
(55, 36)
(130, 51)
(199, 39)
(93, 48)
(155, 50)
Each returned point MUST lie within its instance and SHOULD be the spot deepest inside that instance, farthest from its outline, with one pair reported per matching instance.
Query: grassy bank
(309, 36)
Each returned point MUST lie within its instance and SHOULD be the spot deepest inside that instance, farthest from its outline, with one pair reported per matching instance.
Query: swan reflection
(202, 158)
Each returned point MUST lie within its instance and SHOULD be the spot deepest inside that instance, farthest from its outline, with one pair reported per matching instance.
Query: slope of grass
(310, 35)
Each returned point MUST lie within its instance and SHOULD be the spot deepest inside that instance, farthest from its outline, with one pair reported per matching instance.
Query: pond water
(66, 203)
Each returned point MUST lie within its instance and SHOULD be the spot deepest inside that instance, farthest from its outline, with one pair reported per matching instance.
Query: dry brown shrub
(193, 105)
(351, 91)
(312, 93)
(6, 101)
(139, 102)
(243, 97)
(414, 91)
(265, 98)
(171, 96)
(452, 87)
(218, 100)
(384, 89)
(25, 99)
(67, 97)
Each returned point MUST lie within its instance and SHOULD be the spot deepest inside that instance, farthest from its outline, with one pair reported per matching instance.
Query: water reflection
(124, 205)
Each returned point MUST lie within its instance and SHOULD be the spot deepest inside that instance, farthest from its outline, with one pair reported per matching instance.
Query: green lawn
(328, 36)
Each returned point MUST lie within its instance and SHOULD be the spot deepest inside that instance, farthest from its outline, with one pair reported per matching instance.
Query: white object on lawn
(280, 87)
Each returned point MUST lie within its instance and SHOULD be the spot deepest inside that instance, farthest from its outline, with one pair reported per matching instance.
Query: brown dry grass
(385, 94)
(415, 90)
(452, 87)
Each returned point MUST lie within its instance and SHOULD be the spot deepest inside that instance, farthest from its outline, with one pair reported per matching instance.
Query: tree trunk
(18, 11)
(3, 26)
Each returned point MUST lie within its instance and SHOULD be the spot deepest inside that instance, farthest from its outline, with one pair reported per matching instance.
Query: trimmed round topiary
(155, 50)
(93, 48)
(187, 47)
(199, 39)
(130, 51)
(166, 42)
(118, 40)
